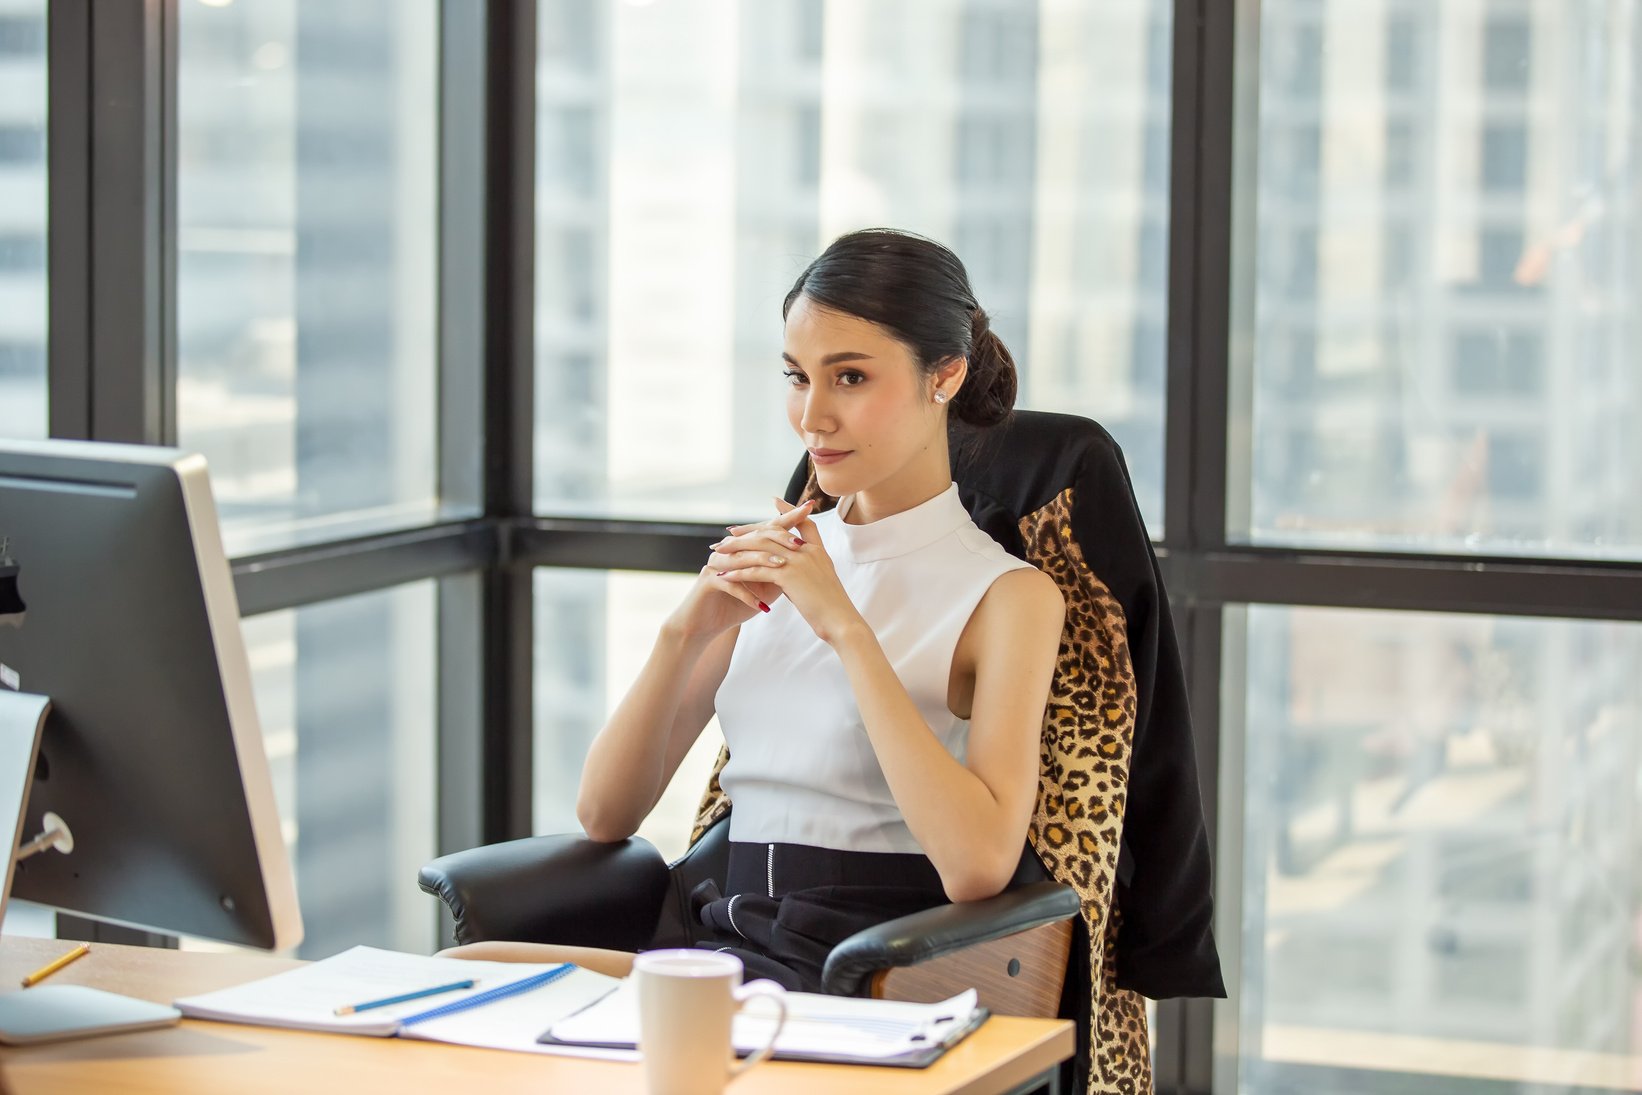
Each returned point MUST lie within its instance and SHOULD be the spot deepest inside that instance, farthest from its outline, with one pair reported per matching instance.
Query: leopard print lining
(714, 802)
(1119, 1034)
(1082, 786)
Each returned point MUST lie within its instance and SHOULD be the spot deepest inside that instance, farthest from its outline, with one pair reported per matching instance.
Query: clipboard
(920, 1057)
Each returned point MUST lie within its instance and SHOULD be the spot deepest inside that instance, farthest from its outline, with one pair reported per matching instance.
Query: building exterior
(22, 218)
(1445, 352)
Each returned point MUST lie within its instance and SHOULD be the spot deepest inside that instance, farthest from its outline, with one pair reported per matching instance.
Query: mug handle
(772, 991)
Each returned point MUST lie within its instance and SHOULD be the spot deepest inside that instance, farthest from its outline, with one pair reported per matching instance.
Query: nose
(815, 417)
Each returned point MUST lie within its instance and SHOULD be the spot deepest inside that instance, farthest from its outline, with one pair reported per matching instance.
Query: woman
(879, 665)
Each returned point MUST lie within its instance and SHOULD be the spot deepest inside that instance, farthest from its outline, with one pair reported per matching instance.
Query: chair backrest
(707, 858)
(1053, 489)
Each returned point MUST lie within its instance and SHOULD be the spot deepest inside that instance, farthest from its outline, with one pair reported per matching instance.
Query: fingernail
(721, 574)
(797, 541)
(762, 607)
(776, 560)
(730, 529)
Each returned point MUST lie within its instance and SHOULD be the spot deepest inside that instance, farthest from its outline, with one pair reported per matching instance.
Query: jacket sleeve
(1165, 944)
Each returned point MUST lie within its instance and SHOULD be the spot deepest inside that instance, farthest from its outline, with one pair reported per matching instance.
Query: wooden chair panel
(1020, 974)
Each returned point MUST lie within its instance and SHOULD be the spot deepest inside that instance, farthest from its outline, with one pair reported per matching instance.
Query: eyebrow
(832, 359)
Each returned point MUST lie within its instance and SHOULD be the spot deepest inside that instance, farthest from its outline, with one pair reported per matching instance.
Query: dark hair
(918, 291)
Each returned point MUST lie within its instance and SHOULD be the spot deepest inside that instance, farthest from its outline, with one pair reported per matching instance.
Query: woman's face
(857, 399)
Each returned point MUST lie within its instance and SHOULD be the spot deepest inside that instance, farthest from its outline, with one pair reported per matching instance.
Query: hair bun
(988, 393)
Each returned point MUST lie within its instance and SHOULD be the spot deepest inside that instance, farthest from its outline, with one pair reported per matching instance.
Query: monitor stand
(22, 724)
(49, 1013)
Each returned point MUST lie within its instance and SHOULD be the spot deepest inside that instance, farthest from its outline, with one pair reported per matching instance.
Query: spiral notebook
(306, 998)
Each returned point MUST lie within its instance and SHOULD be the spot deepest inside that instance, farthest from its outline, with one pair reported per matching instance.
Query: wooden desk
(1004, 1054)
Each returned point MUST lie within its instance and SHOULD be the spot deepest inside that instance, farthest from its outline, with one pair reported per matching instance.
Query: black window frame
(112, 376)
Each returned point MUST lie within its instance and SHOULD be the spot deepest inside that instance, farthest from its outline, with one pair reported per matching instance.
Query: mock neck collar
(904, 532)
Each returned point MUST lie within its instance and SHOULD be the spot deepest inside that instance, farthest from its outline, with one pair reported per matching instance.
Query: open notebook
(819, 1028)
(509, 1004)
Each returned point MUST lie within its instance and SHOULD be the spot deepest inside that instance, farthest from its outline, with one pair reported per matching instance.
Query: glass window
(1440, 884)
(1400, 161)
(23, 218)
(1496, 361)
(1402, 57)
(731, 142)
(1504, 158)
(306, 263)
(594, 630)
(345, 691)
(1507, 38)
(1472, 222)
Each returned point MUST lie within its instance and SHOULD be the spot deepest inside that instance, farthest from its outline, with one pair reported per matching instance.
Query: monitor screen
(152, 753)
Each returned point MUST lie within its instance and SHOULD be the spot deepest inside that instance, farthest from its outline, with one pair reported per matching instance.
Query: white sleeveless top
(801, 769)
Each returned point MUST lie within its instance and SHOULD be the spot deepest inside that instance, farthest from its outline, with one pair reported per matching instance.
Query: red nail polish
(797, 541)
(762, 607)
(721, 574)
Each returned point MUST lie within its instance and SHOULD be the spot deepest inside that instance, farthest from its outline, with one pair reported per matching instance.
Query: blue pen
(349, 1009)
(501, 992)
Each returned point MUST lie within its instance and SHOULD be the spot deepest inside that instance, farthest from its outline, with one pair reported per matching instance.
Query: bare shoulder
(1023, 600)
(1027, 590)
(1017, 625)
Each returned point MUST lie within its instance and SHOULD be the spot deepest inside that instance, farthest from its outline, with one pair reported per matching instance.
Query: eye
(795, 378)
(850, 378)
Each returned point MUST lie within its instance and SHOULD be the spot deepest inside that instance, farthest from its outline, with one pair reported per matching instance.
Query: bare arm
(970, 818)
(635, 755)
(639, 749)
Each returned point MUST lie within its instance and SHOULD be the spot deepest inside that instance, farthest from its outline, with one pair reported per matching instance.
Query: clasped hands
(784, 555)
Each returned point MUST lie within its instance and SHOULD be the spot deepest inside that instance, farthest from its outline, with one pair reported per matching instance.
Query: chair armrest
(552, 889)
(943, 930)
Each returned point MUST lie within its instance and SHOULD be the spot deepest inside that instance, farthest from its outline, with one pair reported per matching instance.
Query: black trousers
(788, 905)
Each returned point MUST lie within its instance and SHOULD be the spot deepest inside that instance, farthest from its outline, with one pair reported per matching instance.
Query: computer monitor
(151, 753)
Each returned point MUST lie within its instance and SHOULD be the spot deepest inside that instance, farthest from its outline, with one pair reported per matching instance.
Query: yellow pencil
(52, 967)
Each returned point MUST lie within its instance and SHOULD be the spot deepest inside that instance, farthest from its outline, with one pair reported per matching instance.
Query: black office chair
(1051, 489)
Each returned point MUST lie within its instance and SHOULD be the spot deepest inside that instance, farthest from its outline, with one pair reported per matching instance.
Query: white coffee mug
(687, 999)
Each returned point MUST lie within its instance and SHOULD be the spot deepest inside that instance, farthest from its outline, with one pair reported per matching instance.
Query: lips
(828, 456)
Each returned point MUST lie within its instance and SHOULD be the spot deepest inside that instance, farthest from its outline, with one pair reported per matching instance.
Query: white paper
(816, 1024)
(306, 998)
(515, 1022)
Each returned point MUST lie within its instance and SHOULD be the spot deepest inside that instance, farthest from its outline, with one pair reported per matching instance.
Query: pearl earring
(940, 397)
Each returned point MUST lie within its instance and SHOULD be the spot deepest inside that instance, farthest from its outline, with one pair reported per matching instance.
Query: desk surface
(216, 1057)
